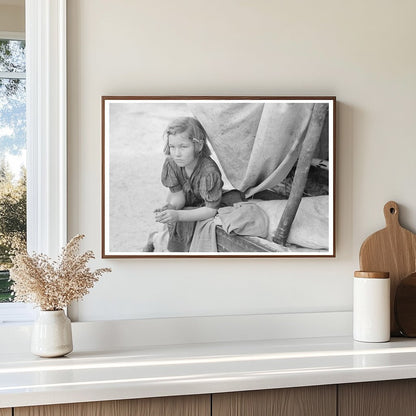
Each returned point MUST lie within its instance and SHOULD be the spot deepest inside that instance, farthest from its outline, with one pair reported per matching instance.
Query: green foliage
(12, 55)
(12, 214)
(6, 294)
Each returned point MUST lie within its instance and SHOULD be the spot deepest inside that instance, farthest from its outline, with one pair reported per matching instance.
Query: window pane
(5, 292)
(12, 56)
(12, 160)
(13, 120)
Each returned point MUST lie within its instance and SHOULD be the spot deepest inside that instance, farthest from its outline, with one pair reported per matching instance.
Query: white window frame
(46, 125)
(12, 35)
(46, 134)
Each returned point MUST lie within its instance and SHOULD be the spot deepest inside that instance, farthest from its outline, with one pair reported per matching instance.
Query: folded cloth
(245, 218)
(311, 225)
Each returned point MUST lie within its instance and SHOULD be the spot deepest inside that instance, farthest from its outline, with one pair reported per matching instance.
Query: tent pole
(313, 135)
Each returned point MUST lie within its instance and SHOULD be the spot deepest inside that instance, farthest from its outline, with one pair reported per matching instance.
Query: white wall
(361, 51)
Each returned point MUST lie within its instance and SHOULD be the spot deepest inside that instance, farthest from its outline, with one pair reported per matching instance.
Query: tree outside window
(12, 156)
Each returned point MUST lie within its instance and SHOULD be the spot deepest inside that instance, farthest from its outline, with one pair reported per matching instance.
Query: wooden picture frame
(274, 155)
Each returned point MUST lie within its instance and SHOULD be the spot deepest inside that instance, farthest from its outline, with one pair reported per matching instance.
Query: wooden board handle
(391, 214)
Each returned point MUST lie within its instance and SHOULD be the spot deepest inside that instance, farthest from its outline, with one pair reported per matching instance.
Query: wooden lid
(372, 275)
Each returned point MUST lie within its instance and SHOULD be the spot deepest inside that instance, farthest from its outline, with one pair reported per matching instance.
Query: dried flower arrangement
(52, 285)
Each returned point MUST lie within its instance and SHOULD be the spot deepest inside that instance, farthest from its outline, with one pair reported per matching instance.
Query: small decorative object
(371, 306)
(214, 152)
(52, 286)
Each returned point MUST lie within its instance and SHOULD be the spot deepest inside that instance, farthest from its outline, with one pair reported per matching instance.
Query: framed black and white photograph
(218, 176)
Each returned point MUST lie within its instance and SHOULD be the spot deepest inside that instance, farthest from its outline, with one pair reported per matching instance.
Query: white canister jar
(371, 307)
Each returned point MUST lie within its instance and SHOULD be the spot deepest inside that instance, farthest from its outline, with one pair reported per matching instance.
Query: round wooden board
(405, 306)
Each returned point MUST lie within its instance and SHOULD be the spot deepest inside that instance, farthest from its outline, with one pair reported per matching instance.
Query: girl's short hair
(196, 133)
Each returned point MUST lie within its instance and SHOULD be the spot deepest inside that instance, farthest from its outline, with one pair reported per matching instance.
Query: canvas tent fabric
(257, 144)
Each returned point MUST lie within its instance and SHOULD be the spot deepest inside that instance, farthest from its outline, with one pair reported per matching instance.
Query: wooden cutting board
(393, 250)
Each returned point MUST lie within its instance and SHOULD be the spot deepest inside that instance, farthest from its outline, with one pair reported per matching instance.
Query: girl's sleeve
(211, 189)
(169, 177)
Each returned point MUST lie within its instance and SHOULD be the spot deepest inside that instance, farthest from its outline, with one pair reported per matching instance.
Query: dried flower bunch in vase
(51, 286)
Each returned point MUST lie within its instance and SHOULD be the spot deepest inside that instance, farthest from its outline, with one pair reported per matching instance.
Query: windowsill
(132, 333)
(16, 313)
(151, 371)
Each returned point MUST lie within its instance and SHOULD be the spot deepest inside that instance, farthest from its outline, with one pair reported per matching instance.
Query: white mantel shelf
(151, 371)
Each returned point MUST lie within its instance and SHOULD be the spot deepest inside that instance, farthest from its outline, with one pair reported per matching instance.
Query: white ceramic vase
(52, 334)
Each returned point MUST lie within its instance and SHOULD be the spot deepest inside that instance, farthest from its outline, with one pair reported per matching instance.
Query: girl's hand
(168, 216)
(164, 208)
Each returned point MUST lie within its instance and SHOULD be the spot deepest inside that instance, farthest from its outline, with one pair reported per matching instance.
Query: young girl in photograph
(194, 182)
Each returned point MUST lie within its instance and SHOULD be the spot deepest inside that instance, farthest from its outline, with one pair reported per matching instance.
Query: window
(12, 154)
(46, 135)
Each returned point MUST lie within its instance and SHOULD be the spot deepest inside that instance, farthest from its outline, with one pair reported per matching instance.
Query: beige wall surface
(360, 51)
(12, 18)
